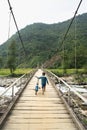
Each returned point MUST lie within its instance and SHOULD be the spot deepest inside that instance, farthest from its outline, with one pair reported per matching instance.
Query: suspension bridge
(39, 112)
(52, 111)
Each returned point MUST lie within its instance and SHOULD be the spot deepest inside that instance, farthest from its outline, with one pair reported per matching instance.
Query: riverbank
(6, 81)
(72, 80)
(81, 88)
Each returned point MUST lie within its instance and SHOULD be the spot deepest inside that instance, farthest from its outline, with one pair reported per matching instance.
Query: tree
(11, 63)
(1, 61)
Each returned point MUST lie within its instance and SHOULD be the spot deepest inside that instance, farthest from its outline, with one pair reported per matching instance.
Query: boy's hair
(43, 73)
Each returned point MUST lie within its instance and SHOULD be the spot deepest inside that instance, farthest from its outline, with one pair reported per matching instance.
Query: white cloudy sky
(32, 11)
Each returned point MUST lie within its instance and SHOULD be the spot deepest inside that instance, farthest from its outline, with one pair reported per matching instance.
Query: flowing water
(9, 93)
(79, 88)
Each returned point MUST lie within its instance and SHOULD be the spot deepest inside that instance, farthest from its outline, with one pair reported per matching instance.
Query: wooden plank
(40, 126)
(42, 116)
(39, 112)
(15, 121)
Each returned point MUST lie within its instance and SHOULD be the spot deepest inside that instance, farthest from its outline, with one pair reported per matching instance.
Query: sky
(27, 12)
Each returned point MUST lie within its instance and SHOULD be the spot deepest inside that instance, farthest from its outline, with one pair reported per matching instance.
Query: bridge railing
(15, 87)
(72, 98)
(69, 90)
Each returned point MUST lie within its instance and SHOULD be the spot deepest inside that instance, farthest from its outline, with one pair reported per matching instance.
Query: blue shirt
(43, 80)
(36, 87)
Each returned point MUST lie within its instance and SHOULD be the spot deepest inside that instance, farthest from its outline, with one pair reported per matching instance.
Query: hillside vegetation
(42, 43)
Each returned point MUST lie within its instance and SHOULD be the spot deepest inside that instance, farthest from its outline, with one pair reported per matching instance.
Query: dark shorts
(36, 88)
(43, 85)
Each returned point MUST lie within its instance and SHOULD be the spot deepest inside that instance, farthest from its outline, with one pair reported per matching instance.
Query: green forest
(43, 45)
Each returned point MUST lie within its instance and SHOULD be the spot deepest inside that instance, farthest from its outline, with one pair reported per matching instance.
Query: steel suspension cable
(9, 25)
(75, 47)
(16, 26)
(71, 23)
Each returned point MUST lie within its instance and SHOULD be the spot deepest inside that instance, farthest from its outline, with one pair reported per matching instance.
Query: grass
(21, 71)
(79, 75)
(85, 121)
(67, 71)
(62, 72)
(4, 72)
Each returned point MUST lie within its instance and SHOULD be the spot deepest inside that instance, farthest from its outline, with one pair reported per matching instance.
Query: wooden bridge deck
(39, 112)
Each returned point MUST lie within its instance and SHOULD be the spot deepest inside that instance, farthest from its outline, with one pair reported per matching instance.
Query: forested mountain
(42, 43)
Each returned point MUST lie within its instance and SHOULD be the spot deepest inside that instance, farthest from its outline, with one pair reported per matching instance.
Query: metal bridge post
(12, 91)
(69, 97)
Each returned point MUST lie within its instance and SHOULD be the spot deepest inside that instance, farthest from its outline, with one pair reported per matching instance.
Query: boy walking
(44, 80)
(36, 89)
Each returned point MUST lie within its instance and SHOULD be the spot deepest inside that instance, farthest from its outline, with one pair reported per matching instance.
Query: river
(79, 88)
(3, 89)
